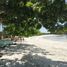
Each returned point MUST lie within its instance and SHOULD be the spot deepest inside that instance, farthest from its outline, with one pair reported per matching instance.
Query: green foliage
(25, 17)
(65, 28)
(29, 4)
(52, 12)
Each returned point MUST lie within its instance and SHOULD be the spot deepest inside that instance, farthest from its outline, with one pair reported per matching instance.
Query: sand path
(57, 50)
(35, 52)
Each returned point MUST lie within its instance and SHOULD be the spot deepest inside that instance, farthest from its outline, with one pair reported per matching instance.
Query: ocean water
(56, 37)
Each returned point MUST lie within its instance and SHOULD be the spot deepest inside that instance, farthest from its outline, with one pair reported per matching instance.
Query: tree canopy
(25, 17)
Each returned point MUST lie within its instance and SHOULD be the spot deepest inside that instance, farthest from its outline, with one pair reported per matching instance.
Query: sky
(43, 30)
(66, 0)
(0, 27)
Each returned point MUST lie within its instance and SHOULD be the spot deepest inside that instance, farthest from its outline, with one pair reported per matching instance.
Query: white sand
(57, 50)
(13, 57)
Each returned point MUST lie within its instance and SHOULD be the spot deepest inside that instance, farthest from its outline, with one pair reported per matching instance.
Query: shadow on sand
(33, 57)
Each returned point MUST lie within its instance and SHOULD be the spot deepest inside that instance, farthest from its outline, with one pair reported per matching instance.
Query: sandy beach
(35, 51)
(57, 50)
